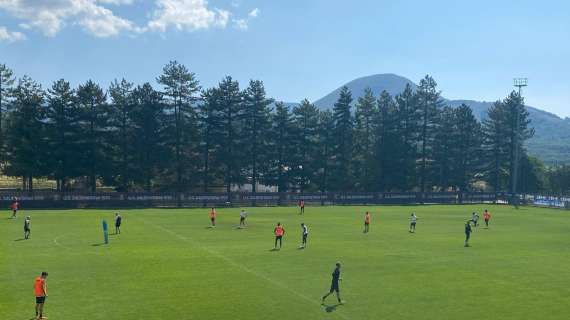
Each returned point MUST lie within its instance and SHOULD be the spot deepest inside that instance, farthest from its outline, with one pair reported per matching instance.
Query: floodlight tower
(519, 83)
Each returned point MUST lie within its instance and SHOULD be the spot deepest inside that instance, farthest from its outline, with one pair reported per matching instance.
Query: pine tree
(6, 83)
(232, 114)
(387, 173)
(181, 88)
(281, 147)
(495, 147)
(467, 161)
(306, 119)
(408, 114)
(364, 140)
(444, 146)
(148, 121)
(342, 150)
(211, 128)
(429, 100)
(120, 93)
(256, 130)
(94, 117)
(25, 139)
(326, 143)
(63, 133)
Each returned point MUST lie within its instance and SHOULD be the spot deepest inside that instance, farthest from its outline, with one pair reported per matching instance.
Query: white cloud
(10, 36)
(51, 16)
(243, 24)
(117, 2)
(187, 15)
(253, 13)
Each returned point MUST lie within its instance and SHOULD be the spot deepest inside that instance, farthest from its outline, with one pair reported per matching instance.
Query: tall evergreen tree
(326, 143)
(63, 133)
(25, 140)
(364, 140)
(257, 130)
(181, 87)
(232, 114)
(495, 147)
(6, 84)
(342, 150)
(429, 100)
(445, 143)
(387, 155)
(409, 114)
(148, 121)
(120, 93)
(305, 119)
(467, 161)
(94, 119)
(282, 147)
(211, 128)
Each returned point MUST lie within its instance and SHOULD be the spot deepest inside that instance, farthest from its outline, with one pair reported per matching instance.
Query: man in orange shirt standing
(40, 289)
(279, 232)
(366, 222)
(14, 206)
(487, 217)
(213, 216)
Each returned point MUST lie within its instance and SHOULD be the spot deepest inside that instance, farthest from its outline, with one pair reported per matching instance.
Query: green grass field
(167, 264)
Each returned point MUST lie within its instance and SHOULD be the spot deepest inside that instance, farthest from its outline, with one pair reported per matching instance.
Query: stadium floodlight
(520, 82)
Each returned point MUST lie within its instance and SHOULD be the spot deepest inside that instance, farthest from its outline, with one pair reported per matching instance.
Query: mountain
(551, 141)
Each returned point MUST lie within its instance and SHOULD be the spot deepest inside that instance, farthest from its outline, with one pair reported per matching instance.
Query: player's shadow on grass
(21, 239)
(331, 308)
(98, 244)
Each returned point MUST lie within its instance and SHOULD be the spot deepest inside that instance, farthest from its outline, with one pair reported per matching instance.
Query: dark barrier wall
(137, 200)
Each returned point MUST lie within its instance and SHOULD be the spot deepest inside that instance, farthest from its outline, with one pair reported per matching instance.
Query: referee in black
(334, 284)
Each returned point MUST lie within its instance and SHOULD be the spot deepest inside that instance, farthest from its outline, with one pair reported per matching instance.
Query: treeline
(181, 137)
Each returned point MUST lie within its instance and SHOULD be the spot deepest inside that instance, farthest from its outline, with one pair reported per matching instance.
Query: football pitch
(168, 264)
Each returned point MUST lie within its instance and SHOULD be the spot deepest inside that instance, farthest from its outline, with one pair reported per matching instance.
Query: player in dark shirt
(334, 284)
(467, 232)
(118, 221)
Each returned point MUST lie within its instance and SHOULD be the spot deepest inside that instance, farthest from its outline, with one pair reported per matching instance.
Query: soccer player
(413, 220)
(242, 216)
(302, 206)
(305, 234)
(15, 205)
(40, 289)
(486, 217)
(366, 222)
(279, 231)
(27, 227)
(334, 284)
(213, 216)
(467, 232)
(475, 219)
(118, 220)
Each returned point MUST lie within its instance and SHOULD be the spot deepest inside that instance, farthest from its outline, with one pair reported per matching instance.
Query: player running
(15, 205)
(468, 231)
(302, 206)
(279, 231)
(118, 221)
(304, 234)
(475, 219)
(413, 220)
(334, 284)
(40, 290)
(486, 217)
(366, 222)
(242, 216)
(27, 227)
(212, 215)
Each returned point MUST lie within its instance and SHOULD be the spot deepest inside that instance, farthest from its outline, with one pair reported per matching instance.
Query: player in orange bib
(279, 231)
(486, 217)
(212, 215)
(40, 290)
(15, 205)
(366, 222)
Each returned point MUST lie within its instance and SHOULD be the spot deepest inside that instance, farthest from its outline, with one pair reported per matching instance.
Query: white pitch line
(242, 267)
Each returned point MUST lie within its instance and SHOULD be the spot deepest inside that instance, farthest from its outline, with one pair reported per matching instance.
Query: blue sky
(299, 48)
